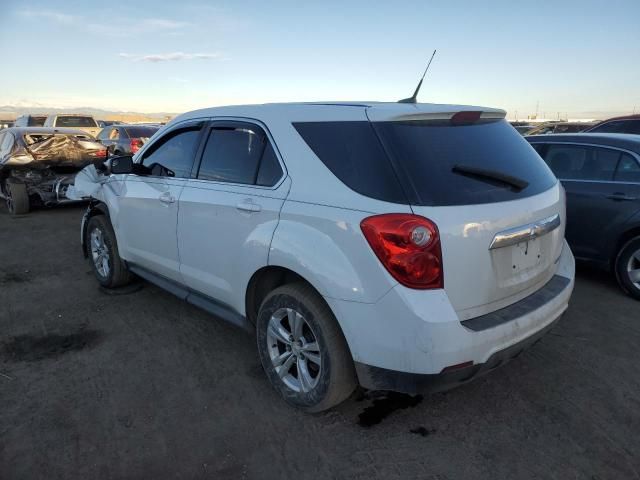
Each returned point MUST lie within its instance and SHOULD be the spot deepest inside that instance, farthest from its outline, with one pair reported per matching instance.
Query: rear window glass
(353, 153)
(72, 121)
(429, 157)
(140, 132)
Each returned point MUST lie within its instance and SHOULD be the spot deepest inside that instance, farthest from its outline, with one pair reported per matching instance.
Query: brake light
(135, 144)
(465, 118)
(409, 248)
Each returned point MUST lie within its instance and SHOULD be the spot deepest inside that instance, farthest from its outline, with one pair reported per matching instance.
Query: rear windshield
(431, 159)
(140, 132)
(69, 121)
(414, 161)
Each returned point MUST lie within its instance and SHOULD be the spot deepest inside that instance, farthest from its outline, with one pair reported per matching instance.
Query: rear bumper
(375, 378)
(408, 338)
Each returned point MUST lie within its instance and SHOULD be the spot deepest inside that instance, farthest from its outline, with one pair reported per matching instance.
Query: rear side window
(439, 163)
(618, 126)
(628, 169)
(353, 153)
(73, 121)
(578, 162)
(241, 154)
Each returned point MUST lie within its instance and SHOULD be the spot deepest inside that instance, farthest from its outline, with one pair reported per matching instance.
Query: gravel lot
(141, 385)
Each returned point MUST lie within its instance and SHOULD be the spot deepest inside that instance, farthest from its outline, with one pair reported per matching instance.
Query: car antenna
(414, 98)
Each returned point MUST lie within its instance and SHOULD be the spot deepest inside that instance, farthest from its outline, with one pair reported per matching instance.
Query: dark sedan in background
(601, 175)
(126, 139)
(626, 124)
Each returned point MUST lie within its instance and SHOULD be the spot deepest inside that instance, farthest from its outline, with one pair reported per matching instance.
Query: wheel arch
(264, 281)
(623, 239)
(95, 208)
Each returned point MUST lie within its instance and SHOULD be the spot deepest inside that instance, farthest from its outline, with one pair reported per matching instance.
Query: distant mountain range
(10, 112)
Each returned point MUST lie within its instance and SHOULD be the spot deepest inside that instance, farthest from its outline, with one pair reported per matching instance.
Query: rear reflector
(465, 118)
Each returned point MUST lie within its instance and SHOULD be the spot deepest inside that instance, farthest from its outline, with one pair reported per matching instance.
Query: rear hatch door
(499, 209)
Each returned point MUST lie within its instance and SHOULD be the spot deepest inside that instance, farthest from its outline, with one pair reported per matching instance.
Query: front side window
(241, 154)
(173, 154)
(577, 162)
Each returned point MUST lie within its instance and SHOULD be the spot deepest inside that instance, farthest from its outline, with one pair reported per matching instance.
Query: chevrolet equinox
(405, 247)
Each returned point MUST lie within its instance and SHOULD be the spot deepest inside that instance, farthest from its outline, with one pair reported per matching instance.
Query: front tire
(16, 197)
(628, 268)
(303, 350)
(109, 269)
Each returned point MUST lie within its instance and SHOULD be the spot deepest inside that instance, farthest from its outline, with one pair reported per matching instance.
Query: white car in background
(406, 247)
(86, 123)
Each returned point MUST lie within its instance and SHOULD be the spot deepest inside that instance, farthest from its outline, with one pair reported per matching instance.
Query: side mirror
(118, 165)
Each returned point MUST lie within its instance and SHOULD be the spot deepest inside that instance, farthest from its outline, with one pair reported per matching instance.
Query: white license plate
(526, 255)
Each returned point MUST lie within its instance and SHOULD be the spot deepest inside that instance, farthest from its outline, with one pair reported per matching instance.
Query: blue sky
(579, 57)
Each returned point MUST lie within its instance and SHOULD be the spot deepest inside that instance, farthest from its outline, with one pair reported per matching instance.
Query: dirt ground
(139, 386)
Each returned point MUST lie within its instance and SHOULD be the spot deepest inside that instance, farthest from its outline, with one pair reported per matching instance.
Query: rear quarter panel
(325, 245)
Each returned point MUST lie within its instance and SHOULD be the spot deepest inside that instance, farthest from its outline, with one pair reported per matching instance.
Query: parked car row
(405, 247)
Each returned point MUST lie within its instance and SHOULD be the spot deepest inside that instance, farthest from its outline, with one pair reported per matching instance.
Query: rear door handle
(619, 196)
(166, 197)
(248, 205)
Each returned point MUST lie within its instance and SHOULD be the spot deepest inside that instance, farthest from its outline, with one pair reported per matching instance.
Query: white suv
(396, 246)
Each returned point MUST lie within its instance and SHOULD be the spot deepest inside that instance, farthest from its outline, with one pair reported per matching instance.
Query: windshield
(428, 157)
(75, 121)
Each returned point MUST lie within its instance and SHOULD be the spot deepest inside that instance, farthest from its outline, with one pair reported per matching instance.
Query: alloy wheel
(293, 349)
(99, 252)
(633, 268)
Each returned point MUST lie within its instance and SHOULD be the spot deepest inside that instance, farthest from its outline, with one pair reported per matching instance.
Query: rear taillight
(465, 118)
(135, 144)
(408, 246)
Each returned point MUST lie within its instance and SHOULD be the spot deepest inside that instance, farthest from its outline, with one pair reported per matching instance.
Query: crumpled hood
(88, 183)
(57, 150)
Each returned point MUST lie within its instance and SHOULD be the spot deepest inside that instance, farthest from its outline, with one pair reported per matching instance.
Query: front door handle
(248, 205)
(166, 197)
(621, 197)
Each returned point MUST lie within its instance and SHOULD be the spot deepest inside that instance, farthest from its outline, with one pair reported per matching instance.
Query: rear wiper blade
(482, 173)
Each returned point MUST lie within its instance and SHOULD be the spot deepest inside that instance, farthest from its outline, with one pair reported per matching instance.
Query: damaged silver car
(37, 165)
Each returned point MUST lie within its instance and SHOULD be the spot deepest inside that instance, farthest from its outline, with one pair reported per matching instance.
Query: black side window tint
(239, 154)
(353, 153)
(270, 170)
(175, 154)
(628, 169)
(575, 162)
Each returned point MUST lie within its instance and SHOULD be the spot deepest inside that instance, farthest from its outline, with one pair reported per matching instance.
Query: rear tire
(16, 197)
(627, 268)
(302, 349)
(109, 269)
